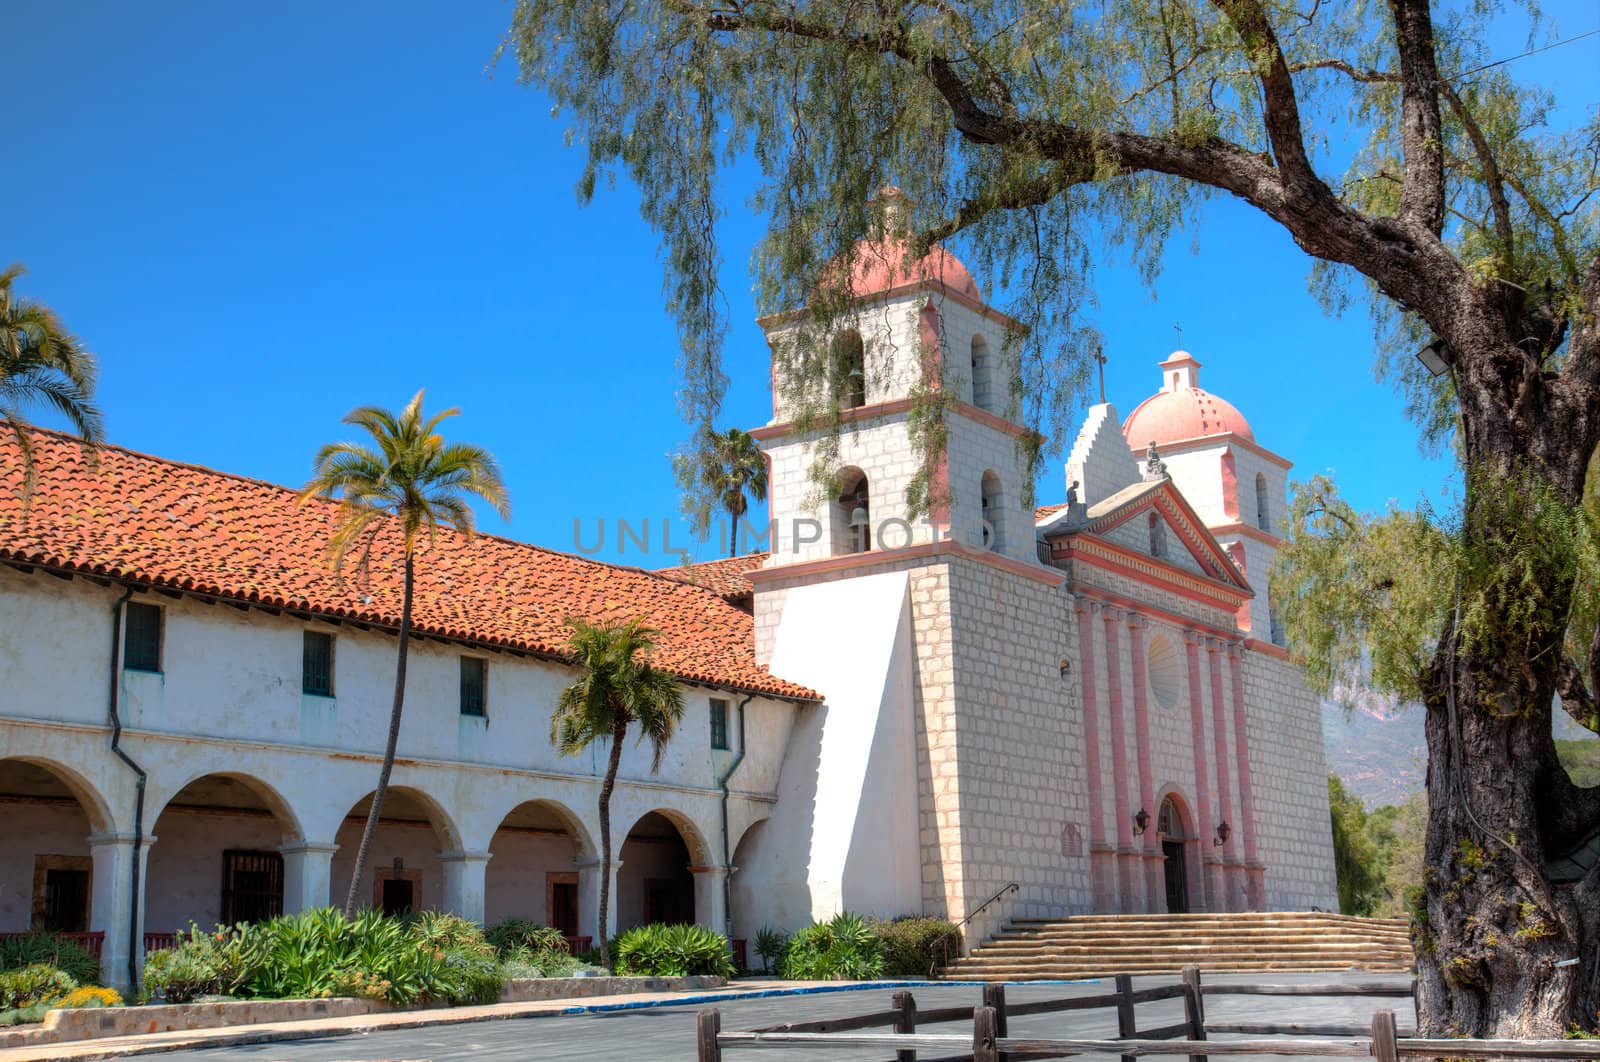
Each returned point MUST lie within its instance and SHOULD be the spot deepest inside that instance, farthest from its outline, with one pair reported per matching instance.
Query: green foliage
(32, 985)
(30, 948)
(1582, 761)
(1046, 137)
(519, 933)
(1356, 859)
(317, 954)
(725, 470)
(42, 364)
(528, 949)
(912, 945)
(616, 688)
(409, 473)
(24, 1015)
(202, 964)
(770, 944)
(672, 951)
(844, 948)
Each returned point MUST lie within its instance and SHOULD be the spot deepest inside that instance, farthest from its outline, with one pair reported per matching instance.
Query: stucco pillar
(111, 903)
(1129, 885)
(1209, 889)
(1101, 855)
(464, 883)
(589, 900)
(1151, 872)
(1233, 891)
(307, 875)
(1254, 873)
(710, 899)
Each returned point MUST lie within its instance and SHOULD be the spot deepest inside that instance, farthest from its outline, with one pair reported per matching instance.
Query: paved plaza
(659, 1034)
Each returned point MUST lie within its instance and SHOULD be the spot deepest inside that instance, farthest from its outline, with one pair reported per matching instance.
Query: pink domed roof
(1181, 410)
(880, 266)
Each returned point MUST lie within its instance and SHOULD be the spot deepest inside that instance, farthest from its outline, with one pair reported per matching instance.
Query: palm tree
(413, 478)
(616, 686)
(736, 467)
(41, 363)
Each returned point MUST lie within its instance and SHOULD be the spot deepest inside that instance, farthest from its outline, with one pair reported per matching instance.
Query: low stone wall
(62, 1026)
(536, 989)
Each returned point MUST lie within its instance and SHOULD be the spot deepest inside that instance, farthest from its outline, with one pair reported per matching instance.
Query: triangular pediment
(1123, 519)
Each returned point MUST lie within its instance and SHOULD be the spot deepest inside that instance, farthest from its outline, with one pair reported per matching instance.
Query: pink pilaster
(1127, 854)
(1155, 886)
(1101, 855)
(1232, 894)
(1255, 873)
(1210, 888)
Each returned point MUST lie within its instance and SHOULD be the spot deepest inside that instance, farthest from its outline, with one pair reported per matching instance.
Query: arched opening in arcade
(216, 859)
(46, 865)
(403, 872)
(533, 869)
(656, 882)
(1175, 827)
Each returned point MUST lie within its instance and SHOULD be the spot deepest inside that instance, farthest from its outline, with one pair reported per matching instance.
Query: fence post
(1127, 1024)
(994, 996)
(708, 1023)
(1194, 1007)
(983, 1036)
(1384, 1049)
(905, 1021)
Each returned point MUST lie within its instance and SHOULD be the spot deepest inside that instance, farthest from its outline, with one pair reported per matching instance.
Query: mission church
(1090, 700)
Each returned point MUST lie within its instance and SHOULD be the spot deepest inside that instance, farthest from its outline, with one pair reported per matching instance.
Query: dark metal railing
(944, 944)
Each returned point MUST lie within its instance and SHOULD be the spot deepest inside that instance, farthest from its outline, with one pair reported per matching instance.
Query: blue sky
(259, 216)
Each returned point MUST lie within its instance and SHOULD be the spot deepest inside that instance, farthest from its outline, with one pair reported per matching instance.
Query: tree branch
(1421, 131)
(1355, 73)
(1576, 699)
(1491, 175)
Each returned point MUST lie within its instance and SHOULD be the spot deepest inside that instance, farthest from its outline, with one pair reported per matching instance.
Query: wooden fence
(989, 1040)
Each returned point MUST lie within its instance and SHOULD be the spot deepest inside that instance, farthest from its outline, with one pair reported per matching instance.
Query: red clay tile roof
(724, 577)
(1045, 511)
(160, 523)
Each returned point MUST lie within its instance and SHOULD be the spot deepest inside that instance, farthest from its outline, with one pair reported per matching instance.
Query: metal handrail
(944, 945)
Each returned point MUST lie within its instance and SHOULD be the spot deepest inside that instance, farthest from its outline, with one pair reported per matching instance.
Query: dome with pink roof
(1181, 411)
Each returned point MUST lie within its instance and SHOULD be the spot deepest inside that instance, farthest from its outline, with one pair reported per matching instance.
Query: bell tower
(912, 329)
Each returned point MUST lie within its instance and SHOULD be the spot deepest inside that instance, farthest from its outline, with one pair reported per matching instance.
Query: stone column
(1102, 856)
(1232, 891)
(1209, 890)
(465, 874)
(111, 905)
(307, 875)
(710, 899)
(1255, 873)
(589, 900)
(1129, 886)
(1151, 872)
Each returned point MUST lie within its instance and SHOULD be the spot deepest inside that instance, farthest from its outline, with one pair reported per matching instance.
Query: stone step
(1192, 954)
(1075, 973)
(1263, 936)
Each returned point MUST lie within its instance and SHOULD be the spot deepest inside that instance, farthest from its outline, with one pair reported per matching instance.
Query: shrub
(88, 997)
(672, 951)
(63, 954)
(770, 945)
(844, 948)
(24, 1015)
(911, 945)
(32, 985)
(201, 964)
(520, 934)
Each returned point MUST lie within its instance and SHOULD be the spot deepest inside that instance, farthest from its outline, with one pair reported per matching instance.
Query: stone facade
(1101, 716)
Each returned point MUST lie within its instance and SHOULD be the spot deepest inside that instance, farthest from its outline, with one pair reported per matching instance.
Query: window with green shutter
(474, 679)
(719, 724)
(141, 637)
(316, 664)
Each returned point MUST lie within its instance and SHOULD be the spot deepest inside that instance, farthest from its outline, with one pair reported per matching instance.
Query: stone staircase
(1036, 949)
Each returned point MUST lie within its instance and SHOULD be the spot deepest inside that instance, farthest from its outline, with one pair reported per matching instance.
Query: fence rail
(91, 942)
(989, 1040)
